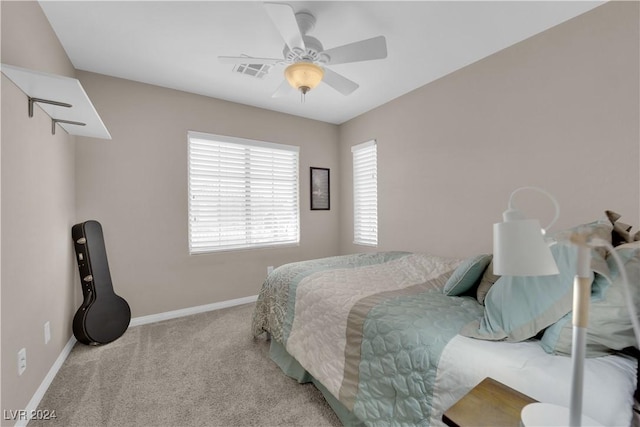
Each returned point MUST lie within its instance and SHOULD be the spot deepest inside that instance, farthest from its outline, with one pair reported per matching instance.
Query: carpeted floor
(200, 370)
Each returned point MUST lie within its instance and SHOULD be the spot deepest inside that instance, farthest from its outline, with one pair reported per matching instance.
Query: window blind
(365, 194)
(242, 193)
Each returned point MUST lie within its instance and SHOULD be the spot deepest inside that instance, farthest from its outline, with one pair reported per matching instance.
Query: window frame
(249, 146)
(361, 200)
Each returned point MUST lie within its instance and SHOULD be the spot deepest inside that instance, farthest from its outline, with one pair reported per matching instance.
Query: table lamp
(519, 249)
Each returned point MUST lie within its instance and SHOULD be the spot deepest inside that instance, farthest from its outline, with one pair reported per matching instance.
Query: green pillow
(597, 229)
(609, 326)
(467, 275)
(518, 307)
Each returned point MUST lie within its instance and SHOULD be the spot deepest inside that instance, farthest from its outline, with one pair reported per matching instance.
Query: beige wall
(559, 111)
(38, 210)
(136, 186)
(563, 103)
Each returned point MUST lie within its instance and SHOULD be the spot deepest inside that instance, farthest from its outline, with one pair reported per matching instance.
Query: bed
(396, 338)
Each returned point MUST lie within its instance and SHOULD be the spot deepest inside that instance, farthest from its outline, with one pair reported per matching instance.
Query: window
(242, 193)
(365, 194)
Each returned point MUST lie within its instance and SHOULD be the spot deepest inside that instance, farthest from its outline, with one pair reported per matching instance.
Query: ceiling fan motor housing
(312, 53)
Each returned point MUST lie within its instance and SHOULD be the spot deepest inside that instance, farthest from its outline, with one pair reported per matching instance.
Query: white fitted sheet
(610, 381)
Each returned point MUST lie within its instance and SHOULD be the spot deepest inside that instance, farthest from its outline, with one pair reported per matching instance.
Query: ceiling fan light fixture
(304, 76)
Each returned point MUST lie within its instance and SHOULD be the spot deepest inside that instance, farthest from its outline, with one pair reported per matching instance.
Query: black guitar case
(103, 315)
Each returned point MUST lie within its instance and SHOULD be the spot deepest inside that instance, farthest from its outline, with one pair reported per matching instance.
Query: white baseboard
(152, 318)
(137, 321)
(44, 386)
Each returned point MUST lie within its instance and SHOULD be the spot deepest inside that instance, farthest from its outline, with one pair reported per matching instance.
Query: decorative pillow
(517, 307)
(486, 282)
(609, 322)
(601, 229)
(621, 232)
(467, 275)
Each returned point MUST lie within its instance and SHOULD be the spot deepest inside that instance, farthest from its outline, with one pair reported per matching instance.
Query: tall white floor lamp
(519, 249)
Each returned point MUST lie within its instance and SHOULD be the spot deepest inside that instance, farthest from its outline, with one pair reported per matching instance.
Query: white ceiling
(175, 44)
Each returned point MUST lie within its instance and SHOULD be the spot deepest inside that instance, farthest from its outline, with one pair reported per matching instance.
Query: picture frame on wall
(320, 189)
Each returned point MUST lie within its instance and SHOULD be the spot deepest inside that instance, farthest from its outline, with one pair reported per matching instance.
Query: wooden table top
(490, 404)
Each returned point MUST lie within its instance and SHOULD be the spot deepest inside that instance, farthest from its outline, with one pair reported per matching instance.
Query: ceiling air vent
(255, 70)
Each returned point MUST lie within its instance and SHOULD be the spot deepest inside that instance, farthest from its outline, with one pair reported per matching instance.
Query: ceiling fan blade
(283, 90)
(339, 82)
(247, 60)
(284, 19)
(364, 50)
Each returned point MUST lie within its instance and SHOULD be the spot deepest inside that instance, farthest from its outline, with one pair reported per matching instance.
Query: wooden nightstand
(489, 404)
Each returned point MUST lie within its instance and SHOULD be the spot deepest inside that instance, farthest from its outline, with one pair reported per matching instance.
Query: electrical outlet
(47, 332)
(22, 361)
(269, 269)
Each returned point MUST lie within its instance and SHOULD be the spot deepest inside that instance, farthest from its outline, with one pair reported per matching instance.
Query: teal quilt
(369, 327)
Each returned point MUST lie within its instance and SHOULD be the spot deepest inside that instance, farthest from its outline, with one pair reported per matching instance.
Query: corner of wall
(37, 183)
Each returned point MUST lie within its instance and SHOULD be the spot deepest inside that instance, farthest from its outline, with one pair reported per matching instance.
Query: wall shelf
(62, 98)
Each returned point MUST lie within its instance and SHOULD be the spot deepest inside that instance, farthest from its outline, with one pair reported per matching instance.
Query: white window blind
(365, 194)
(242, 193)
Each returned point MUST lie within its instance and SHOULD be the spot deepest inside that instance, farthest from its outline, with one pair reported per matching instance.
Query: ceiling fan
(305, 56)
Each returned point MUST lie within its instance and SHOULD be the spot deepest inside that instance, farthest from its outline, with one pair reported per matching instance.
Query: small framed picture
(320, 197)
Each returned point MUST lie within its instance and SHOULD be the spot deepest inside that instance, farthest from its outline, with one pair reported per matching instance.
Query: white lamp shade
(519, 249)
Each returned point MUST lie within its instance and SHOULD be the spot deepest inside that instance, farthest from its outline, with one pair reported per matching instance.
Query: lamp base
(546, 414)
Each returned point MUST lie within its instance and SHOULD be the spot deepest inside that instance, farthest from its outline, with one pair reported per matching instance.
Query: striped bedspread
(370, 327)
